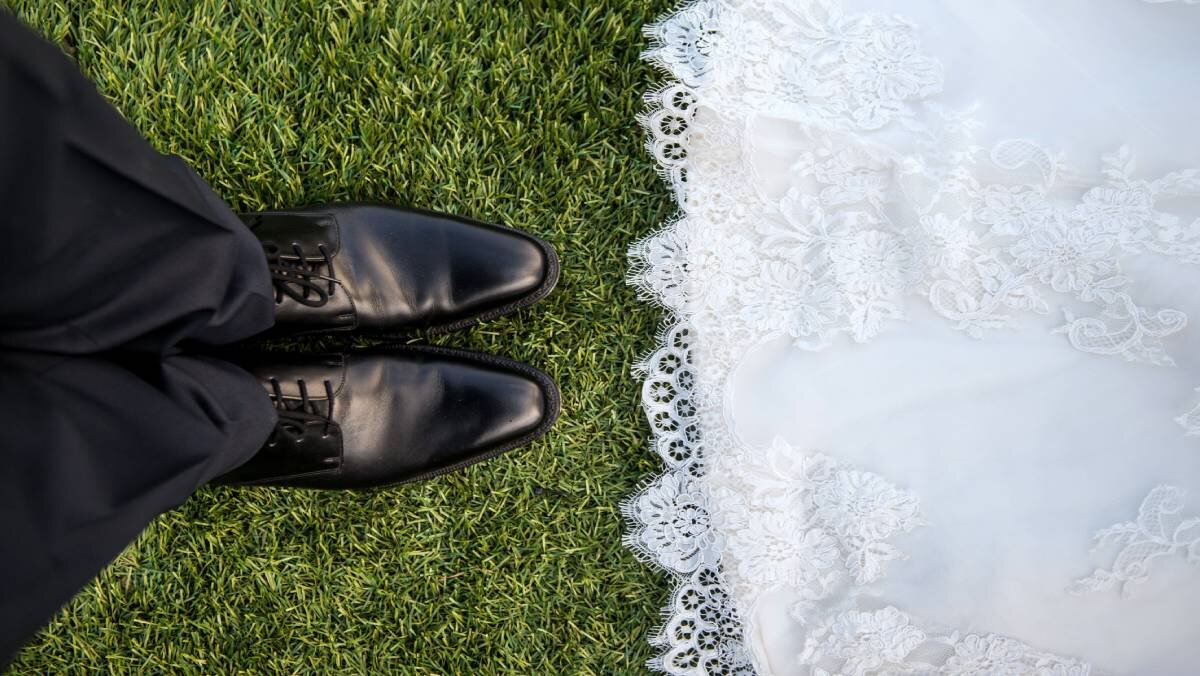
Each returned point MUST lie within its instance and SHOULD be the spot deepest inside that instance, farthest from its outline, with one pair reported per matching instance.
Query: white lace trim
(1158, 531)
(866, 222)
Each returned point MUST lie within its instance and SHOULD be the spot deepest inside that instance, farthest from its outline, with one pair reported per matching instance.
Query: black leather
(396, 415)
(368, 267)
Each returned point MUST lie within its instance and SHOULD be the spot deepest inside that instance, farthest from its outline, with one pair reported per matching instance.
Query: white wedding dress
(927, 400)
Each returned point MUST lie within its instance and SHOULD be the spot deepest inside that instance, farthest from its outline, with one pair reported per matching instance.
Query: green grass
(520, 112)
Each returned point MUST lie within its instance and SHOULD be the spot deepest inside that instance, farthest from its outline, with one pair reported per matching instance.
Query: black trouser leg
(94, 449)
(116, 259)
(108, 244)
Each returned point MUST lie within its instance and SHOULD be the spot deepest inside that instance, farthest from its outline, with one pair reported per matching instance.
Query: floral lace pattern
(862, 225)
(1075, 248)
(1158, 531)
(862, 228)
(860, 642)
(675, 526)
(805, 520)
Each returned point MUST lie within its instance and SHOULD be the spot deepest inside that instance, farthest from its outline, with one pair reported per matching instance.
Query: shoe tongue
(289, 369)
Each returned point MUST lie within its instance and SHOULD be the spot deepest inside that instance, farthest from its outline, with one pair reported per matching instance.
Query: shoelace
(295, 278)
(294, 419)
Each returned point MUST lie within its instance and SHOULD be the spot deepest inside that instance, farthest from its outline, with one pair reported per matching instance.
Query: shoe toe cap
(448, 410)
(496, 407)
(501, 268)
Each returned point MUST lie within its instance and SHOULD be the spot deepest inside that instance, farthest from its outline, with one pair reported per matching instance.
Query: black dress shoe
(392, 416)
(368, 267)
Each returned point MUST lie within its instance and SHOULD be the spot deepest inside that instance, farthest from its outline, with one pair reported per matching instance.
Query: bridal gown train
(927, 399)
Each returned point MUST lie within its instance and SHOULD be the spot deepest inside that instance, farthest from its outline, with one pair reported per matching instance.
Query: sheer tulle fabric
(926, 400)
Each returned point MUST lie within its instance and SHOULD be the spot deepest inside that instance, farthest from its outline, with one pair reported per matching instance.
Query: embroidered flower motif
(867, 640)
(676, 524)
(858, 510)
(776, 551)
(807, 226)
(863, 505)
(847, 174)
(1067, 258)
(795, 470)
(990, 655)
(948, 243)
(715, 268)
(872, 262)
(885, 66)
(863, 510)
(780, 478)
(1116, 210)
(789, 301)
(862, 641)
(716, 206)
(1012, 210)
(786, 81)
